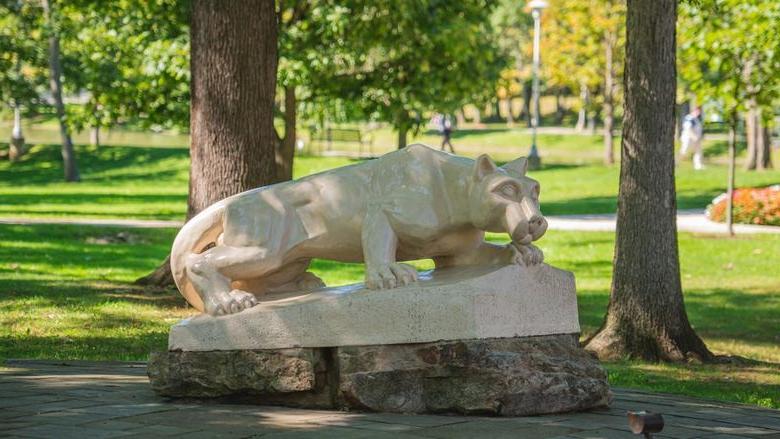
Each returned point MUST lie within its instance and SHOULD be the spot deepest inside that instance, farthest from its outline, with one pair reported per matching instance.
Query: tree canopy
(23, 62)
(729, 51)
(394, 60)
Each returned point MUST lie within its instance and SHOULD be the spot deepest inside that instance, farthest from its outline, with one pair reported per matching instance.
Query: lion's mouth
(525, 240)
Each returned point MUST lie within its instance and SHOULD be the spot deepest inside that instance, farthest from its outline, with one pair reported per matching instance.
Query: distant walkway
(79, 399)
(692, 221)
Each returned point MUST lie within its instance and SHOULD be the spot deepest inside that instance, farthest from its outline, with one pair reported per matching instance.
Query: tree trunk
(732, 169)
(559, 110)
(403, 125)
(609, 107)
(285, 154)
(497, 110)
(758, 139)
(685, 108)
(16, 148)
(582, 116)
(751, 128)
(55, 85)
(460, 117)
(646, 316)
(94, 136)
(510, 121)
(527, 94)
(233, 65)
(764, 151)
(593, 121)
(403, 130)
(233, 69)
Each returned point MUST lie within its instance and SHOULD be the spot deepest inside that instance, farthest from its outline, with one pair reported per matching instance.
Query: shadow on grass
(548, 166)
(79, 204)
(134, 346)
(721, 148)
(580, 206)
(723, 313)
(600, 205)
(64, 264)
(745, 384)
(43, 164)
(715, 313)
(78, 246)
(63, 294)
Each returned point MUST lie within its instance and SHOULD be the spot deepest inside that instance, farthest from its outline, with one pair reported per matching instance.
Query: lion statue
(409, 204)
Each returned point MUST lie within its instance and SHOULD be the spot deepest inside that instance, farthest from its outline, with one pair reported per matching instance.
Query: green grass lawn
(151, 182)
(66, 291)
(67, 294)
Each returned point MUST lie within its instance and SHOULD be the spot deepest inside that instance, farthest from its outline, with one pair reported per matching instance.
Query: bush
(751, 206)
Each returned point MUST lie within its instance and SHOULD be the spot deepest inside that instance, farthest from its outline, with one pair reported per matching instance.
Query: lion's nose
(536, 221)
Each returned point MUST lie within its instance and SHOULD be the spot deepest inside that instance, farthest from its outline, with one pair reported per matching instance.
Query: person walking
(691, 137)
(445, 127)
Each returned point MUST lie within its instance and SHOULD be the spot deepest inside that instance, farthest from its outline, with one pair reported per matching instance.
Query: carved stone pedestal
(495, 340)
(506, 377)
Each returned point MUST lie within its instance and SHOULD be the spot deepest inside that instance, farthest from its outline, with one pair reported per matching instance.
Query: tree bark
(646, 317)
(582, 116)
(94, 136)
(732, 169)
(609, 107)
(497, 110)
(233, 70)
(527, 92)
(764, 156)
(403, 126)
(403, 130)
(285, 154)
(16, 148)
(593, 120)
(758, 139)
(55, 85)
(510, 121)
(460, 117)
(559, 110)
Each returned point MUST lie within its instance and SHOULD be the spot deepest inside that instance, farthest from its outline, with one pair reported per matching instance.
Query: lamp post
(534, 161)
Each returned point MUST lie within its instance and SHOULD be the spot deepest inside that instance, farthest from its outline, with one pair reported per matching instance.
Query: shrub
(751, 206)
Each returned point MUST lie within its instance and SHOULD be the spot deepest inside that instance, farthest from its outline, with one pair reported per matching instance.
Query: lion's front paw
(528, 254)
(390, 276)
(230, 302)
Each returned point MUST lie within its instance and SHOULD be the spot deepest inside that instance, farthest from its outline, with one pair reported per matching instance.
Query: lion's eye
(508, 190)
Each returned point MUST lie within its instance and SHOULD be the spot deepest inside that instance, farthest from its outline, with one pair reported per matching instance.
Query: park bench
(331, 135)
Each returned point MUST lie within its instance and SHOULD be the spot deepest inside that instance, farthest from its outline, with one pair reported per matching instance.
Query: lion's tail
(197, 235)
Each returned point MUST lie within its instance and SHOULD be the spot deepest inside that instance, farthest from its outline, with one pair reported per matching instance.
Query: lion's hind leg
(213, 271)
(292, 277)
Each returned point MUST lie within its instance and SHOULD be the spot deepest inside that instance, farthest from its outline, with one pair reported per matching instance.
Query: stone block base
(505, 377)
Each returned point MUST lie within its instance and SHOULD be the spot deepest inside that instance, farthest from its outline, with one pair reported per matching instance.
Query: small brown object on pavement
(645, 423)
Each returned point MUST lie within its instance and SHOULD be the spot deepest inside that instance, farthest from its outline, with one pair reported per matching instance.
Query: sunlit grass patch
(749, 384)
(66, 293)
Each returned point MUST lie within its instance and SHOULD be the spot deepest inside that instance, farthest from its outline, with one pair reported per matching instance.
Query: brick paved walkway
(46, 399)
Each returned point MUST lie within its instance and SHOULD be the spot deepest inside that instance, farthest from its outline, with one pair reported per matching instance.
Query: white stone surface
(449, 304)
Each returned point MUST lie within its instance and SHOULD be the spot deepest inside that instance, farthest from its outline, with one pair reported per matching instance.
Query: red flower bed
(751, 206)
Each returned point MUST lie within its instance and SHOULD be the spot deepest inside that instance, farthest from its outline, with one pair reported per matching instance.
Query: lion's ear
(517, 166)
(483, 166)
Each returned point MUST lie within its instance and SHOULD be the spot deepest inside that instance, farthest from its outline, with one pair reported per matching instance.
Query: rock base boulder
(499, 376)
